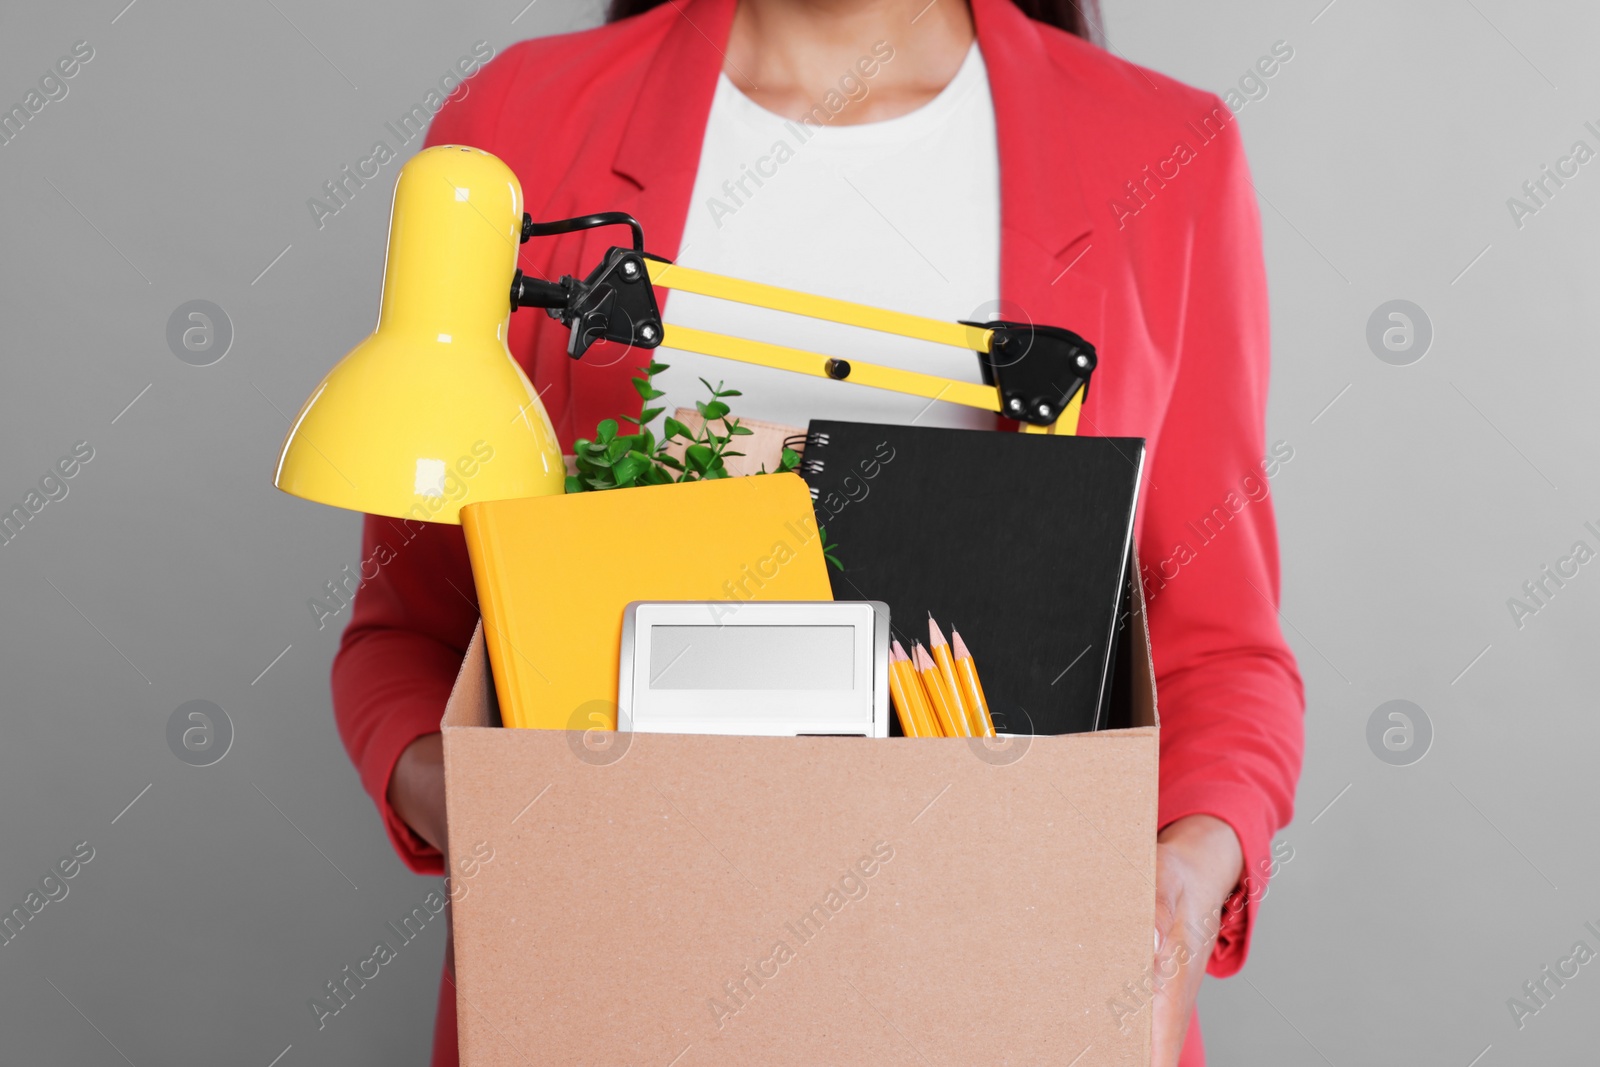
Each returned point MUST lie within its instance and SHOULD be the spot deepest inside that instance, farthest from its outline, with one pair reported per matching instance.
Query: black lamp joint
(616, 302)
(1037, 370)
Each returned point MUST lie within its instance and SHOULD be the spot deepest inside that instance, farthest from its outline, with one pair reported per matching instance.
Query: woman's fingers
(1169, 1018)
(1197, 864)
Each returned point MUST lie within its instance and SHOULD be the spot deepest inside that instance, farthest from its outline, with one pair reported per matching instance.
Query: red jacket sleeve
(1229, 692)
(398, 659)
(416, 607)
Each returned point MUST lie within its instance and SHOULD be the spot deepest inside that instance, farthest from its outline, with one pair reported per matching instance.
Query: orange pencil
(916, 718)
(959, 705)
(916, 695)
(967, 670)
(951, 723)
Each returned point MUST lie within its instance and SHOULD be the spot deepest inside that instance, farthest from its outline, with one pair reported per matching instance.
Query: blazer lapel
(652, 178)
(660, 149)
(1049, 272)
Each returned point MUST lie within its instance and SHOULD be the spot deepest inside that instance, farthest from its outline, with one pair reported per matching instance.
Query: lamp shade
(431, 412)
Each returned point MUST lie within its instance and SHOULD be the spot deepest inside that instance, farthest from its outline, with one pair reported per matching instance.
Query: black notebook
(1021, 542)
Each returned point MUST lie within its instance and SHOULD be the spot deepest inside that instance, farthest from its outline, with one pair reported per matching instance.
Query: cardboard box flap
(473, 701)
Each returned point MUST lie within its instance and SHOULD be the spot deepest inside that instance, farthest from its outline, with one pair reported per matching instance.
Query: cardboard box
(684, 901)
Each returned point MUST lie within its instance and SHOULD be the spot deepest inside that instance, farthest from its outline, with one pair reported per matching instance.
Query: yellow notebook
(554, 574)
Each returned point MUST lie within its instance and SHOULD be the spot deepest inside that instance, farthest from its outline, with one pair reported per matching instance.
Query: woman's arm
(397, 661)
(1229, 691)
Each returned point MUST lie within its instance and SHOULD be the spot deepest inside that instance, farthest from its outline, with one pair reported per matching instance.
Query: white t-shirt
(902, 214)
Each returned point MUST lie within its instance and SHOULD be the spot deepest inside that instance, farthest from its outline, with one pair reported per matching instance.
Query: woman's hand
(1198, 865)
(416, 789)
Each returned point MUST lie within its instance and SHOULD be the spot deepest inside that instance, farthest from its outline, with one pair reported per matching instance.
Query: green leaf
(712, 411)
(574, 484)
(673, 428)
(649, 414)
(656, 368)
(831, 558)
(627, 469)
(789, 460)
(698, 457)
(728, 392)
(739, 431)
(606, 430)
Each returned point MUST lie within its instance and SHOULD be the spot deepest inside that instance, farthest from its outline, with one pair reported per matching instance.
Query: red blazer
(1127, 215)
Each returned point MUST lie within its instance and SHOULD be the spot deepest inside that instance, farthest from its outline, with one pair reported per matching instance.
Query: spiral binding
(801, 441)
(806, 444)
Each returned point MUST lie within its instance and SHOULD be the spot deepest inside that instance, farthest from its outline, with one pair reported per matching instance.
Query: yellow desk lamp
(431, 412)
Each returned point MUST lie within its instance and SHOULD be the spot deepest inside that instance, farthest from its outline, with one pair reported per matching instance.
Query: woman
(955, 161)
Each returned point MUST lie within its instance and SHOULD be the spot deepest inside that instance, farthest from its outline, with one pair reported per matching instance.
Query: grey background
(1419, 898)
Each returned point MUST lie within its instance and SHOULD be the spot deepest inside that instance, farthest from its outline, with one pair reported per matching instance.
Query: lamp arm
(1037, 375)
(1034, 373)
(1063, 411)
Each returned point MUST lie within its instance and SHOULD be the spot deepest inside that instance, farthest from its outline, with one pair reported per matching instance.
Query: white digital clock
(768, 668)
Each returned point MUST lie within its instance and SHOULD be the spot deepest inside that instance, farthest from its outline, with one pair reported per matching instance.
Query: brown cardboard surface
(663, 899)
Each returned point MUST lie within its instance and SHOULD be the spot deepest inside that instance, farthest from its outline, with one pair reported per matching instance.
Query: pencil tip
(899, 651)
(935, 635)
(960, 645)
